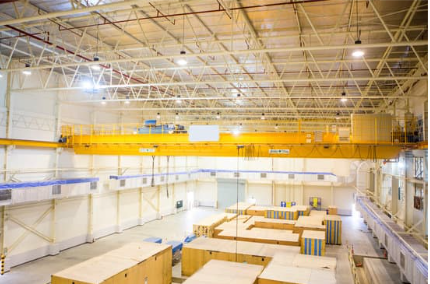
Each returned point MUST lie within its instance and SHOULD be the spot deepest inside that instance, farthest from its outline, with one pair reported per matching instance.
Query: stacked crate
(333, 225)
(302, 210)
(200, 251)
(126, 265)
(311, 223)
(206, 227)
(282, 213)
(313, 243)
(257, 210)
(239, 208)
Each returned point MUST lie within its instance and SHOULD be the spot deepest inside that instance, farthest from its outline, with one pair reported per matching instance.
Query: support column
(118, 202)
(332, 194)
(141, 221)
(90, 231)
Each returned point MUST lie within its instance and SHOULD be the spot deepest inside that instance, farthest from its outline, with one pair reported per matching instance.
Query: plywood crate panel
(312, 223)
(216, 271)
(257, 210)
(280, 274)
(259, 235)
(239, 208)
(200, 251)
(206, 226)
(125, 265)
(268, 223)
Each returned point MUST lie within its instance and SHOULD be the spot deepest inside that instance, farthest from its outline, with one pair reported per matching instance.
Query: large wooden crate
(218, 271)
(313, 243)
(240, 221)
(268, 223)
(299, 268)
(239, 208)
(312, 223)
(302, 210)
(200, 251)
(332, 210)
(259, 235)
(282, 213)
(257, 210)
(206, 227)
(130, 264)
(333, 225)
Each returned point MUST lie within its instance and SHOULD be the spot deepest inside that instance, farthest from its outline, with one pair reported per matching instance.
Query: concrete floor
(176, 227)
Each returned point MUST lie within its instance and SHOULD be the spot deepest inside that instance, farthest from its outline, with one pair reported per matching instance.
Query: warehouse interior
(213, 141)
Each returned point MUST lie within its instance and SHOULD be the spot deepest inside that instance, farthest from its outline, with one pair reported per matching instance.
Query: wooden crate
(313, 243)
(332, 210)
(302, 210)
(239, 208)
(206, 227)
(318, 213)
(268, 223)
(312, 223)
(333, 225)
(200, 251)
(280, 274)
(126, 265)
(259, 235)
(217, 271)
(257, 210)
(282, 213)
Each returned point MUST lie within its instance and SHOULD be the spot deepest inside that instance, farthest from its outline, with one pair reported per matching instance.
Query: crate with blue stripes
(313, 243)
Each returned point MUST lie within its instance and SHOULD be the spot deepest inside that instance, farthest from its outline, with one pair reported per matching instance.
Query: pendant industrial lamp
(182, 61)
(357, 52)
(96, 66)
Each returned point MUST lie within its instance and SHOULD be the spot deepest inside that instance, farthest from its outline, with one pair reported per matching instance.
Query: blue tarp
(13, 185)
(220, 171)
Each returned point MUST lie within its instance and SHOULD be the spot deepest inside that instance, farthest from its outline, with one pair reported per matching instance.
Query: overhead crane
(276, 145)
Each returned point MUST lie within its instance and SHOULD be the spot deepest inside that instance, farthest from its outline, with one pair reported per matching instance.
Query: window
(320, 177)
(177, 177)
(291, 176)
(144, 180)
(402, 260)
(93, 185)
(236, 174)
(263, 175)
(122, 182)
(418, 167)
(162, 178)
(213, 174)
(5, 194)
(56, 189)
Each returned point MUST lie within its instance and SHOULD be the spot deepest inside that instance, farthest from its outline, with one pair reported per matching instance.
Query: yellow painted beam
(287, 151)
(31, 143)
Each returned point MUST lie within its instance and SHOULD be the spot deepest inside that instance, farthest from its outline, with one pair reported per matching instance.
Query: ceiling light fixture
(338, 115)
(357, 52)
(96, 66)
(177, 116)
(127, 100)
(103, 100)
(276, 126)
(178, 100)
(343, 99)
(238, 98)
(236, 132)
(218, 116)
(262, 116)
(182, 61)
(26, 72)
(158, 115)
